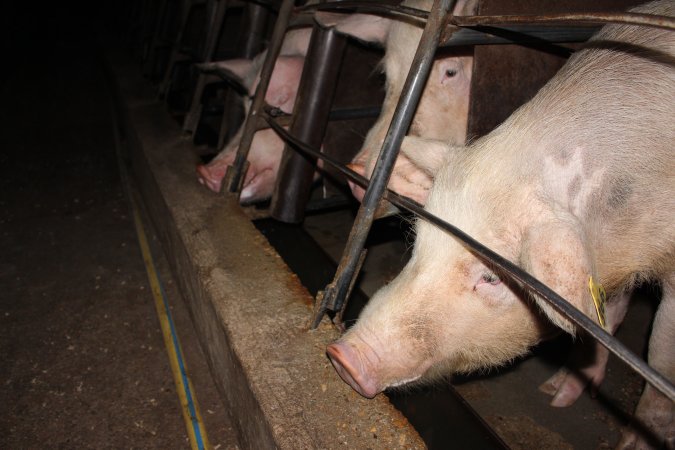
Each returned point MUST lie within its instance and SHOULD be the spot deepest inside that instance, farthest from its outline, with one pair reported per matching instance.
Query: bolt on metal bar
(235, 174)
(334, 295)
(534, 285)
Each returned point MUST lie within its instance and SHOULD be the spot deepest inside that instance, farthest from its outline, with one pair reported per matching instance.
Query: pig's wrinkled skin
(578, 182)
(443, 109)
(266, 148)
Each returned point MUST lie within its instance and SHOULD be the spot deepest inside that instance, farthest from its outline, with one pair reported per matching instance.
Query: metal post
(334, 296)
(310, 118)
(215, 24)
(251, 41)
(175, 56)
(235, 173)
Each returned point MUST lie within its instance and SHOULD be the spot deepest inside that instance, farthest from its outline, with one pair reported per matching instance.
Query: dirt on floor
(83, 360)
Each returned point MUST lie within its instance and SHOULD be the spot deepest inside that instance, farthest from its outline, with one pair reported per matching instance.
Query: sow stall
(202, 219)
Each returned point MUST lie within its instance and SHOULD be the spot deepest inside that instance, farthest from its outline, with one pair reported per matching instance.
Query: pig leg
(211, 174)
(655, 412)
(587, 362)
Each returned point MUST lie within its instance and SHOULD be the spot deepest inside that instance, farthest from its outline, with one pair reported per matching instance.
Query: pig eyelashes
(490, 278)
(450, 73)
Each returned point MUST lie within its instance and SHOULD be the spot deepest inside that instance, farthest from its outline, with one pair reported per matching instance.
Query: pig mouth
(353, 369)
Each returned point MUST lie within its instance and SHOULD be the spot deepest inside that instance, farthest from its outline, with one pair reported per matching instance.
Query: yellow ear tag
(599, 299)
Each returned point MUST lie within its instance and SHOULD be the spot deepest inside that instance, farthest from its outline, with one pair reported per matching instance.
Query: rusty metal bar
(214, 27)
(310, 117)
(516, 34)
(544, 292)
(631, 18)
(334, 296)
(235, 174)
(253, 36)
(176, 53)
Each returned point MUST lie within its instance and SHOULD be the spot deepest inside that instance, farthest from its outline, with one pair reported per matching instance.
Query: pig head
(266, 148)
(576, 184)
(443, 109)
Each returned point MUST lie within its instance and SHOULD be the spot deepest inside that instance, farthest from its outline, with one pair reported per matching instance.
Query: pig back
(602, 132)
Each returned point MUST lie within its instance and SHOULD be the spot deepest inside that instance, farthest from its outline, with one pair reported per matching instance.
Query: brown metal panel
(506, 76)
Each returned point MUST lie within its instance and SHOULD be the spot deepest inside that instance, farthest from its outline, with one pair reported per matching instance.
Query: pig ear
(556, 254)
(283, 87)
(428, 154)
(364, 27)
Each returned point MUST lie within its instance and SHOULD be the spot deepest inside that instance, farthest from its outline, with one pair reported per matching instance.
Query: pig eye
(489, 277)
(451, 73)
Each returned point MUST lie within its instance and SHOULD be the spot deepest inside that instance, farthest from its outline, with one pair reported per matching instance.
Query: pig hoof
(350, 367)
(631, 440)
(565, 387)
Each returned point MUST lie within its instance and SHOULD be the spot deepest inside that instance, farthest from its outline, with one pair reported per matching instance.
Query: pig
(443, 109)
(266, 148)
(579, 182)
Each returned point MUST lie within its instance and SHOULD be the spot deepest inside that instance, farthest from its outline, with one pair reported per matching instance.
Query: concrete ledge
(250, 311)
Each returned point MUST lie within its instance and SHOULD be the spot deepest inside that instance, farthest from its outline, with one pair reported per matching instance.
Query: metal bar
(252, 38)
(165, 85)
(335, 292)
(544, 292)
(516, 34)
(214, 27)
(630, 18)
(235, 173)
(310, 119)
(355, 113)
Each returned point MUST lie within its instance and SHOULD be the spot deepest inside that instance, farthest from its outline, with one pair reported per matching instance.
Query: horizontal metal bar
(374, 6)
(628, 18)
(517, 34)
(355, 113)
(335, 114)
(547, 294)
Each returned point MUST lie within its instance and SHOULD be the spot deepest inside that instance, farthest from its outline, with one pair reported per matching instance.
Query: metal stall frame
(440, 31)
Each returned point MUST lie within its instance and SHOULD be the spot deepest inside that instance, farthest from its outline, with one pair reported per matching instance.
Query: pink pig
(578, 183)
(266, 149)
(443, 110)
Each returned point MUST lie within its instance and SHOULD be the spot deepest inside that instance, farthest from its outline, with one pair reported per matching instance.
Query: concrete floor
(83, 361)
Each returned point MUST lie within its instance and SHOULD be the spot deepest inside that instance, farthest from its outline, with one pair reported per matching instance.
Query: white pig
(577, 183)
(443, 109)
(266, 148)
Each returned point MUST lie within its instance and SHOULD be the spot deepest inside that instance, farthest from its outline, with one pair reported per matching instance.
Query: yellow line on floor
(191, 415)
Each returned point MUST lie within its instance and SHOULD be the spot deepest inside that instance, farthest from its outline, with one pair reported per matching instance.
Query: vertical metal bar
(310, 118)
(215, 25)
(150, 62)
(251, 39)
(175, 51)
(235, 173)
(334, 296)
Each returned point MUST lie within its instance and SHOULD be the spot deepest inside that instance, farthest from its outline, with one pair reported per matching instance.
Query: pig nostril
(342, 359)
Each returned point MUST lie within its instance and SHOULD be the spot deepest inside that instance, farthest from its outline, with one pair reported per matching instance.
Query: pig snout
(211, 176)
(354, 367)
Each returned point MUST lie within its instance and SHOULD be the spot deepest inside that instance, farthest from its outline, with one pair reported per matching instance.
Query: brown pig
(443, 109)
(577, 183)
